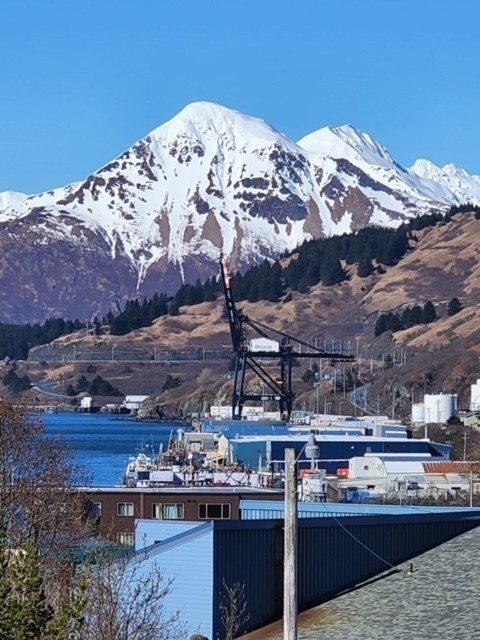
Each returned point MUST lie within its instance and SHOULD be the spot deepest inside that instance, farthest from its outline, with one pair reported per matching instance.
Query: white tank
(418, 413)
(475, 396)
(440, 407)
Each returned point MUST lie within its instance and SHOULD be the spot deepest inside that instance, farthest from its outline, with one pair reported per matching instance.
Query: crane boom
(276, 386)
(233, 319)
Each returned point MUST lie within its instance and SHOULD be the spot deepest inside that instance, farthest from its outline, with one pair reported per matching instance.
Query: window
(126, 538)
(365, 467)
(124, 508)
(96, 509)
(164, 511)
(213, 511)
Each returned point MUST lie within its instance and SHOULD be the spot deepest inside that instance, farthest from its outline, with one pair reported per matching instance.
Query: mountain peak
(452, 169)
(346, 141)
(210, 180)
(199, 119)
(426, 169)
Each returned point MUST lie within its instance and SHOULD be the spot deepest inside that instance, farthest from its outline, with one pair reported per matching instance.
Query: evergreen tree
(119, 326)
(332, 272)
(173, 309)
(15, 383)
(380, 325)
(454, 307)
(253, 292)
(171, 382)
(24, 611)
(101, 387)
(82, 384)
(416, 315)
(365, 267)
(428, 314)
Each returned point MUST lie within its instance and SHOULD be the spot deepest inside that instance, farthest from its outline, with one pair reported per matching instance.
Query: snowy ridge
(465, 187)
(214, 180)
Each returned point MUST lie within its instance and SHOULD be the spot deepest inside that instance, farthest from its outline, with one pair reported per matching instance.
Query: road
(358, 397)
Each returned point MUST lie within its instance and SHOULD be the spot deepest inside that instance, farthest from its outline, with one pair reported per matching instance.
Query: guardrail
(57, 354)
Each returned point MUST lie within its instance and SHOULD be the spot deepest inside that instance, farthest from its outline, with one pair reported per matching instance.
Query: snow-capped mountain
(465, 187)
(209, 181)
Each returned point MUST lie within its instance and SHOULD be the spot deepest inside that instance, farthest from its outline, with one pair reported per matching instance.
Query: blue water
(103, 444)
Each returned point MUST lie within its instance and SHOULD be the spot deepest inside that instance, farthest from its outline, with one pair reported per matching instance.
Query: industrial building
(339, 547)
(389, 475)
(436, 408)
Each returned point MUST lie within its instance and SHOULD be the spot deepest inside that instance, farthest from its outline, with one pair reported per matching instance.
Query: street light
(312, 450)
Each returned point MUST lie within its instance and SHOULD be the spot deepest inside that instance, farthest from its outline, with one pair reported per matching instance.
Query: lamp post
(312, 451)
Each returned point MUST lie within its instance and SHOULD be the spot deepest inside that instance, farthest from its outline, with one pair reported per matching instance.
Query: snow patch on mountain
(466, 187)
(213, 180)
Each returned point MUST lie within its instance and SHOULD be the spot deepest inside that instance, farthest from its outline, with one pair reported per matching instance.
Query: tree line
(326, 261)
(413, 316)
(98, 386)
(16, 340)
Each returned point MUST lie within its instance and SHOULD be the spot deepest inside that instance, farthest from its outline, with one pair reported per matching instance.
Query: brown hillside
(442, 263)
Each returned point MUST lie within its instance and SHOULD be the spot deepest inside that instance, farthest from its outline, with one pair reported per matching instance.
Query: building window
(96, 509)
(165, 511)
(366, 467)
(126, 538)
(213, 511)
(124, 508)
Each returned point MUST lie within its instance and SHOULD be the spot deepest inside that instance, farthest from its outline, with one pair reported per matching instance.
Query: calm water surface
(104, 443)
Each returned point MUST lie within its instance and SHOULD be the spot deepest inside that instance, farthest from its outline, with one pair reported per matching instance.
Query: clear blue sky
(82, 81)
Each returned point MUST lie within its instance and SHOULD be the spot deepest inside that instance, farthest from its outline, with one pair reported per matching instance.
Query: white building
(134, 403)
(475, 396)
(86, 403)
(385, 474)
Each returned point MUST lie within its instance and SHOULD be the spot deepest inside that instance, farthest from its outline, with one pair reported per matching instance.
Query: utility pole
(290, 606)
(471, 484)
(464, 445)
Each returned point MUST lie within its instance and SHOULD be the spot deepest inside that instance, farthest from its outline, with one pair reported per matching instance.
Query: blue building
(335, 449)
(339, 547)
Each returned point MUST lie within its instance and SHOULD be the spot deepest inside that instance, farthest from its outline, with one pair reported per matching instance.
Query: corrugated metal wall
(334, 554)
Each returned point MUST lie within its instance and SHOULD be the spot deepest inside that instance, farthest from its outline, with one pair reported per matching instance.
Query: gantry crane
(256, 355)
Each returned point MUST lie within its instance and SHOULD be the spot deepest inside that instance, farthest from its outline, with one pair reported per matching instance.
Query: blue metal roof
(271, 509)
(337, 550)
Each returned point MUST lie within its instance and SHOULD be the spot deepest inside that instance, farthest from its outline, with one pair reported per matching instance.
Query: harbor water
(440, 599)
(103, 443)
